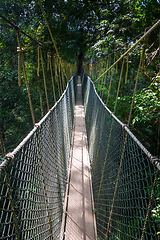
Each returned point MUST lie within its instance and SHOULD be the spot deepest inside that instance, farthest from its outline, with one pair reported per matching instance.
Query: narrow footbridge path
(80, 219)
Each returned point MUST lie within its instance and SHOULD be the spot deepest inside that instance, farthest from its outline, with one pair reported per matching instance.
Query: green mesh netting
(32, 186)
(126, 186)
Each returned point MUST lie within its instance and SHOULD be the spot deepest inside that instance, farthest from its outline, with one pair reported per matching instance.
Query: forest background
(94, 28)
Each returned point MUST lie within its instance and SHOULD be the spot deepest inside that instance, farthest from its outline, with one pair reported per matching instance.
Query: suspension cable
(44, 78)
(130, 49)
(20, 30)
(54, 43)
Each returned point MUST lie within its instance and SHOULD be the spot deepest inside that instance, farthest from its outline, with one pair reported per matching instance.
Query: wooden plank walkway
(80, 218)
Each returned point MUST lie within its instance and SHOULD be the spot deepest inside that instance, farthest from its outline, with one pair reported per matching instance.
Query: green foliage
(155, 212)
(77, 26)
(147, 103)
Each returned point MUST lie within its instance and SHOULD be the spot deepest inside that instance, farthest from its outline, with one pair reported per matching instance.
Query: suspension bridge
(80, 173)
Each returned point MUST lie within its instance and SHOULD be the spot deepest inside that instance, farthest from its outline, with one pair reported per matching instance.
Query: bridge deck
(80, 217)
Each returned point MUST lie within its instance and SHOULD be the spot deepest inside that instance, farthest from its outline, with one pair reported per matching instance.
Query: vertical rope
(48, 60)
(50, 65)
(40, 97)
(116, 57)
(63, 80)
(56, 75)
(110, 82)
(105, 77)
(109, 63)
(44, 78)
(127, 66)
(19, 62)
(59, 71)
(135, 88)
(26, 80)
(120, 78)
(54, 43)
(38, 61)
(2, 144)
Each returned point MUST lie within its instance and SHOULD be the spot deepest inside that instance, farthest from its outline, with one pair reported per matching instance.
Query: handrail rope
(54, 43)
(124, 145)
(44, 79)
(130, 49)
(127, 43)
(154, 160)
(10, 156)
(26, 80)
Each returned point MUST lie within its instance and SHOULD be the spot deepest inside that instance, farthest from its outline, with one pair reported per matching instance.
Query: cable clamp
(125, 125)
(9, 157)
(155, 161)
(37, 125)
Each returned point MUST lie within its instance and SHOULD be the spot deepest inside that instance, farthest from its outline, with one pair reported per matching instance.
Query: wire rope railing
(33, 177)
(126, 183)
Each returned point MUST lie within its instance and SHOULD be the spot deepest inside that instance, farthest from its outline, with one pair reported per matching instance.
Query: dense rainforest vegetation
(94, 28)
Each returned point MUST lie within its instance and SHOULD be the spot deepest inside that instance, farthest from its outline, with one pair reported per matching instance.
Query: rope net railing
(125, 182)
(33, 177)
